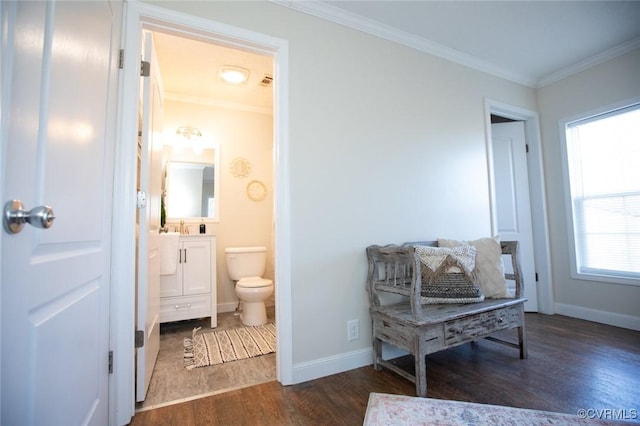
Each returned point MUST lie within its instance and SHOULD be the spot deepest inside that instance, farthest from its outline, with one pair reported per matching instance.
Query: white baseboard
(339, 363)
(231, 306)
(323, 367)
(227, 307)
(604, 317)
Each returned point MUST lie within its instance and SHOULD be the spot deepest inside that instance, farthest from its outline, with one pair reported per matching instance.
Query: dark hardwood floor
(572, 365)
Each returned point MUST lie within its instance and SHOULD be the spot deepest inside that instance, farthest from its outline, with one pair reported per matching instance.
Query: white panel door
(58, 120)
(148, 277)
(513, 208)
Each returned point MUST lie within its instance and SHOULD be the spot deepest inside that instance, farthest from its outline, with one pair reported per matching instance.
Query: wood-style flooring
(573, 364)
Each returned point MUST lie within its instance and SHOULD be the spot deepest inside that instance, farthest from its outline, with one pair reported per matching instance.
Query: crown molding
(600, 58)
(378, 29)
(198, 100)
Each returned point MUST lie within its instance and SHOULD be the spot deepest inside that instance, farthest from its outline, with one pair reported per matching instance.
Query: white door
(59, 83)
(513, 208)
(148, 276)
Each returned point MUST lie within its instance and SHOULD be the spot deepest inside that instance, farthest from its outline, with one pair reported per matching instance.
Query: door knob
(15, 216)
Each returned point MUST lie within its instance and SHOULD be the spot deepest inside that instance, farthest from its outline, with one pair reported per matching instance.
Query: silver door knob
(15, 216)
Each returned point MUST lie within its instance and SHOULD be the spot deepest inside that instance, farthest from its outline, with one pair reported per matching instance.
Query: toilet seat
(254, 282)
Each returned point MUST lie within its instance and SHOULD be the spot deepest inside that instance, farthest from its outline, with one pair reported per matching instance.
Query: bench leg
(377, 353)
(522, 341)
(421, 374)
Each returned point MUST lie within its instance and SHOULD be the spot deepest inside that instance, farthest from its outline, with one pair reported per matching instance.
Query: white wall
(606, 84)
(386, 145)
(243, 222)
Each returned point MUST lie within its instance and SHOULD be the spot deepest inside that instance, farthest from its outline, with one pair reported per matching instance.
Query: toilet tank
(243, 262)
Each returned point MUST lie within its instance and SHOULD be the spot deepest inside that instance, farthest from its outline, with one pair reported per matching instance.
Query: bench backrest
(395, 269)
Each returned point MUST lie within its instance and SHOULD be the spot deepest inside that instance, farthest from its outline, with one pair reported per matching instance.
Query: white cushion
(489, 268)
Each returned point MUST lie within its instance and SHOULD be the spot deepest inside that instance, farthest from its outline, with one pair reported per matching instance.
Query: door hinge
(145, 69)
(536, 277)
(110, 362)
(527, 147)
(141, 200)
(139, 338)
(121, 59)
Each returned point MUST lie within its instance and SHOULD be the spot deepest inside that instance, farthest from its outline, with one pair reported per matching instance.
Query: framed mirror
(192, 187)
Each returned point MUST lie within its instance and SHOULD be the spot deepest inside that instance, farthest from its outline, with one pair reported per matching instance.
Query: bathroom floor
(171, 382)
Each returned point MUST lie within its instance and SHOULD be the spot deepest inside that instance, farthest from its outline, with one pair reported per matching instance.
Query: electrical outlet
(353, 330)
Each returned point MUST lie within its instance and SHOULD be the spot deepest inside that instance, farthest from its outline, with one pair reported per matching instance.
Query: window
(603, 170)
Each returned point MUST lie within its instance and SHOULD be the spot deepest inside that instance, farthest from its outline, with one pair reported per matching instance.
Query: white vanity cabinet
(191, 291)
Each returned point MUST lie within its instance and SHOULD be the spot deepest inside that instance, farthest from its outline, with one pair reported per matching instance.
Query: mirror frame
(216, 188)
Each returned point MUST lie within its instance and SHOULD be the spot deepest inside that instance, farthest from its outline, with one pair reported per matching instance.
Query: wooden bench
(424, 329)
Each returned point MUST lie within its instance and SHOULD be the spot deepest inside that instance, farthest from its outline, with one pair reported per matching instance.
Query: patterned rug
(216, 347)
(389, 410)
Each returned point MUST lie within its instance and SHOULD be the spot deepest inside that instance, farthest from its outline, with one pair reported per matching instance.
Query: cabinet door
(196, 267)
(171, 285)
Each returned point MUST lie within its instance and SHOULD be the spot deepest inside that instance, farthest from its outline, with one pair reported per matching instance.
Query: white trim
(7, 15)
(335, 364)
(600, 58)
(123, 243)
(122, 405)
(536, 193)
(378, 29)
(216, 103)
(386, 32)
(603, 317)
(566, 190)
(227, 307)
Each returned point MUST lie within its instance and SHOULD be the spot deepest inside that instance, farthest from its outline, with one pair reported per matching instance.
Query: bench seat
(425, 329)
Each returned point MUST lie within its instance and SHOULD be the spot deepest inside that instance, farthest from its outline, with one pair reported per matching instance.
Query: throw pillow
(447, 275)
(489, 268)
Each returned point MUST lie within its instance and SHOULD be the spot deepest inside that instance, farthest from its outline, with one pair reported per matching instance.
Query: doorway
(235, 120)
(538, 257)
(146, 17)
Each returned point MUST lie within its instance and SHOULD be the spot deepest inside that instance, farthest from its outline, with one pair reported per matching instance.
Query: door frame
(537, 196)
(137, 17)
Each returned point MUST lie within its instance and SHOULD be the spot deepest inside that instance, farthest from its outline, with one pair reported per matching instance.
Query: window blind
(604, 169)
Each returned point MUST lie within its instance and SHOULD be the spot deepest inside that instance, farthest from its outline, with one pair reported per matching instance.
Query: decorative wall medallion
(240, 167)
(256, 191)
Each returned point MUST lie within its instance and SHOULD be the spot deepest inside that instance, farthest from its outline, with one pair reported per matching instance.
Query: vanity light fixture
(189, 132)
(233, 75)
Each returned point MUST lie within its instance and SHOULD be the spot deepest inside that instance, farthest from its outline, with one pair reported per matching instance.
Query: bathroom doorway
(237, 119)
(142, 17)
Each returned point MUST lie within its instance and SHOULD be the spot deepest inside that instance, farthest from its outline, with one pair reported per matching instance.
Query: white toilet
(245, 266)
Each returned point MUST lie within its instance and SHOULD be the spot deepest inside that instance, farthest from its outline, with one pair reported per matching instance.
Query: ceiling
(190, 70)
(530, 42)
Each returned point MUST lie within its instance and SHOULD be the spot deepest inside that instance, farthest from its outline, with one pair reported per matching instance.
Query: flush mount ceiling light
(234, 75)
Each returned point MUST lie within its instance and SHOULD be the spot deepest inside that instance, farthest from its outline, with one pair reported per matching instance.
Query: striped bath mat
(216, 347)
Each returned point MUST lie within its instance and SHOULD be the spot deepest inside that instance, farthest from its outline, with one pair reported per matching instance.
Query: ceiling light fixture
(234, 75)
